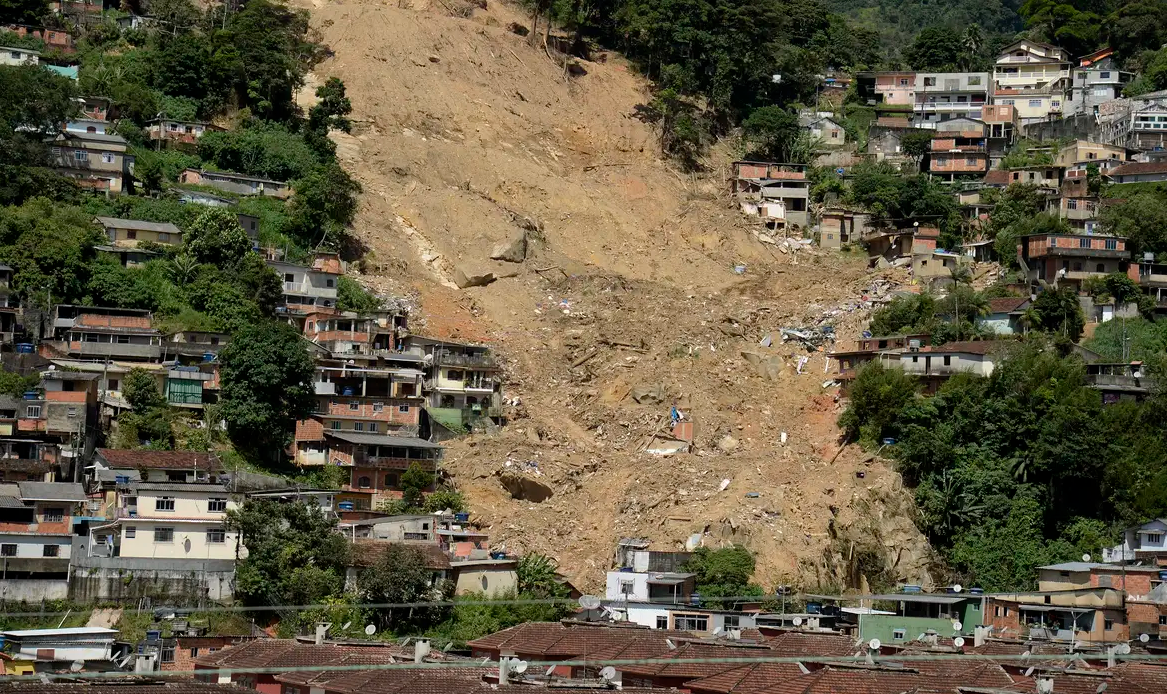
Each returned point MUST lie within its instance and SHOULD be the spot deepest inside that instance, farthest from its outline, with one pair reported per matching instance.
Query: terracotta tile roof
(160, 460)
(694, 670)
(577, 639)
(98, 320)
(1007, 304)
(129, 686)
(26, 465)
(1139, 167)
(367, 552)
(745, 678)
(802, 643)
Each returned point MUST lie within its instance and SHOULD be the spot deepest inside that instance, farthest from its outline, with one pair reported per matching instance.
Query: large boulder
(511, 251)
(524, 488)
(465, 277)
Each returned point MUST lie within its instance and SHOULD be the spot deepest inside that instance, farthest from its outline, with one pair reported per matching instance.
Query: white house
(77, 643)
(1142, 541)
(10, 55)
(694, 619)
(168, 520)
(658, 587)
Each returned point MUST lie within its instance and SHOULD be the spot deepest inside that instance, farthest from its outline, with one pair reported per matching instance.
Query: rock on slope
(467, 138)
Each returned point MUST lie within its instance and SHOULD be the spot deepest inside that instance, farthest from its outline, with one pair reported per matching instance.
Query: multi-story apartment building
(1096, 80)
(942, 96)
(771, 182)
(959, 148)
(1000, 130)
(125, 235)
(1033, 77)
(168, 520)
(100, 162)
(463, 383)
(177, 131)
(36, 534)
(1070, 258)
(308, 289)
(94, 333)
(10, 313)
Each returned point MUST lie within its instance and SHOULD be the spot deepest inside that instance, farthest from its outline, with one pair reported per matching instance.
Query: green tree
(400, 574)
(351, 296)
(140, 389)
(537, 575)
(916, 144)
(935, 49)
(772, 132)
(50, 249)
(1141, 218)
(445, 500)
(148, 421)
(414, 483)
(215, 237)
(267, 386)
(323, 205)
(294, 554)
(724, 572)
(1059, 313)
(148, 171)
(330, 112)
(23, 11)
(877, 397)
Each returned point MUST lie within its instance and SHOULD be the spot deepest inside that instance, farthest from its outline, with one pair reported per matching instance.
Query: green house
(919, 613)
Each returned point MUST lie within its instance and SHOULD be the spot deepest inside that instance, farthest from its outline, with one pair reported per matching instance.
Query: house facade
(235, 183)
(169, 520)
(99, 162)
(1034, 78)
(1071, 258)
(177, 131)
(128, 233)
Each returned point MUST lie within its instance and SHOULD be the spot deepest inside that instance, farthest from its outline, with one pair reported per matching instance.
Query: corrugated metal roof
(138, 224)
(378, 440)
(51, 491)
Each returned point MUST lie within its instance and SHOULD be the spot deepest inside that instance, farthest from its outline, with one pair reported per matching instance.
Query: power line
(586, 662)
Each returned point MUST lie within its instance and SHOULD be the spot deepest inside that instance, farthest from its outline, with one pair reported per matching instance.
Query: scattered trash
(801, 363)
(693, 542)
(752, 495)
(724, 485)
(860, 474)
(783, 438)
(830, 383)
(766, 341)
(739, 269)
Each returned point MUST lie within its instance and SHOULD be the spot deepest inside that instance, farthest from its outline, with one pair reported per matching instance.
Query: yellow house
(171, 520)
(14, 667)
(128, 233)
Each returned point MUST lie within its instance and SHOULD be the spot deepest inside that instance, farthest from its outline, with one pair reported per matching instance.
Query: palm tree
(972, 42)
(182, 269)
(536, 574)
(1028, 319)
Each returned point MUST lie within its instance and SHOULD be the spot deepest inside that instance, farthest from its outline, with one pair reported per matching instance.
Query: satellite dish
(957, 626)
(717, 631)
(346, 626)
(1085, 557)
(370, 630)
(1025, 655)
(518, 666)
(1143, 638)
(608, 673)
(1029, 672)
(243, 552)
(1123, 649)
(797, 621)
(76, 666)
(1101, 688)
(874, 644)
(958, 642)
(957, 588)
(589, 602)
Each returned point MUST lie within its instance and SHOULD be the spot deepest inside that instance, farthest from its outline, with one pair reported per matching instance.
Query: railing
(485, 361)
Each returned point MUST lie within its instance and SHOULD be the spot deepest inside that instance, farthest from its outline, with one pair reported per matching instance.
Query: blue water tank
(814, 608)
(24, 348)
(911, 588)
(208, 356)
(461, 517)
(347, 390)
(345, 506)
(30, 395)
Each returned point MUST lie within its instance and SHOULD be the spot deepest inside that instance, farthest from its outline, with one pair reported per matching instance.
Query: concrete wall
(491, 580)
(33, 590)
(179, 582)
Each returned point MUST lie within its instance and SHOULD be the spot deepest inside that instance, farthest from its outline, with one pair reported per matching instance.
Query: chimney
(504, 669)
(421, 648)
(321, 630)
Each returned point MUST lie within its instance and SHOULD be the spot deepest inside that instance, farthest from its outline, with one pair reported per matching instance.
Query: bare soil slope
(465, 135)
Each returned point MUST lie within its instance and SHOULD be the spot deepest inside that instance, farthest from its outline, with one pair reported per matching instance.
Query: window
(364, 483)
(1162, 619)
(52, 550)
(391, 480)
(403, 408)
(903, 81)
(996, 610)
(1100, 268)
(970, 161)
(1104, 75)
(835, 134)
(216, 505)
(113, 384)
(131, 234)
(329, 283)
(378, 406)
(898, 634)
(15, 55)
(358, 426)
(662, 622)
(167, 653)
(164, 534)
(929, 81)
(947, 360)
(627, 587)
(1072, 203)
(1035, 103)
(354, 406)
(54, 514)
(176, 477)
(732, 621)
(1112, 244)
(216, 536)
(373, 427)
(131, 532)
(691, 622)
(164, 503)
(80, 155)
(335, 426)
(1155, 538)
(107, 157)
(289, 277)
(1083, 242)
(7, 550)
(33, 411)
(163, 238)
(1108, 624)
(974, 80)
(123, 339)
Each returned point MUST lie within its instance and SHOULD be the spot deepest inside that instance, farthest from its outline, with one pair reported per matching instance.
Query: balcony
(325, 388)
(115, 350)
(1081, 212)
(478, 361)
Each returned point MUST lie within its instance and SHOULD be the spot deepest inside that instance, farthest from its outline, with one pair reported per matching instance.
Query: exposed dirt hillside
(465, 135)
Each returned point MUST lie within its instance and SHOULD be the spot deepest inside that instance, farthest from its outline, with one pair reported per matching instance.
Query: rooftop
(139, 225)
(51, 491)
(1007, 304)
(968, 347)
(159, 460)
(380, 440)
(69, 631)
(1139, 168)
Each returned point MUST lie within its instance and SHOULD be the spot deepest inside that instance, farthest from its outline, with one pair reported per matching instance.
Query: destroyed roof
(26, 465)
(680, 662)
(159, 460)
(997, 177)
(1007, 304)
(367, 553)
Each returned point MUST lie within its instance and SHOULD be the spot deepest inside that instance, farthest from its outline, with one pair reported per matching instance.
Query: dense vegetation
(1024, 467)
